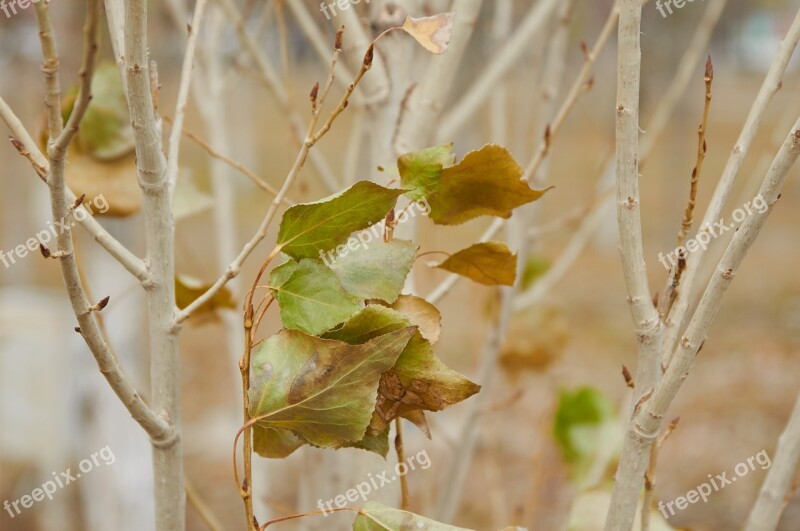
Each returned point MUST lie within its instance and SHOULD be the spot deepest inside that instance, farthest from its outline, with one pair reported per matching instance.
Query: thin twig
(517, 44)
(261, 183)
(650, 475)
(771, 85)
(270, 77)
(667, 295)
(581, 84)
(206, 514)
(174, 144)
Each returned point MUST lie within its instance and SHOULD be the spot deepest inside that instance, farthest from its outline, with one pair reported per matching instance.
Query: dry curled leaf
(433, 33)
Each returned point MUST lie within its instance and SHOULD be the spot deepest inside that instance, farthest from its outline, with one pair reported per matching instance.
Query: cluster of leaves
(355, 352)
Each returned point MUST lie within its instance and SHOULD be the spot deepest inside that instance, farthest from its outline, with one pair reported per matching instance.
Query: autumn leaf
(377, 270)
(421, 171)
(375, 443)
(275, 443)
(101, 160)
(377, 517)
(105, 133)
(433, 33)
(487, 182)
(417, 418)
(422, 314)
(311, 297)
(489, 263)
(419, 381)
(309, 229)
(323, 391)
(187, 289)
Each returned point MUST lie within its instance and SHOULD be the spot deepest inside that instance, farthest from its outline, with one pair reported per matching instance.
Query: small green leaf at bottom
(377, 517)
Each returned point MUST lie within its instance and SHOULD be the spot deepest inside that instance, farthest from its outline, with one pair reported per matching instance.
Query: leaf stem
(401, 458)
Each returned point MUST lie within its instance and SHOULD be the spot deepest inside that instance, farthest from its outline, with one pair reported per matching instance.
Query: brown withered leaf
(417, 418)
(421, 313)
(322, 391)
(487, 182)
(418, 381)
(489, 263)
(433, 33)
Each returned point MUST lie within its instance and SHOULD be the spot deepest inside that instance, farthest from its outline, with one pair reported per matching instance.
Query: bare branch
(169, 496)
(156, 427)
(771, 85)
(772, 498)
(270, 78)
(646, 422)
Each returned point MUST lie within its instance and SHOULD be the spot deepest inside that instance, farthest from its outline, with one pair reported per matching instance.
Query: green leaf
(281, 273)
(377, 270)
(312, 298)
(323, 391)
(421, 171)
(489, 263)
(419, 381)
(579, 417)
(488, 182)
(377, 517)
(310, 229)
